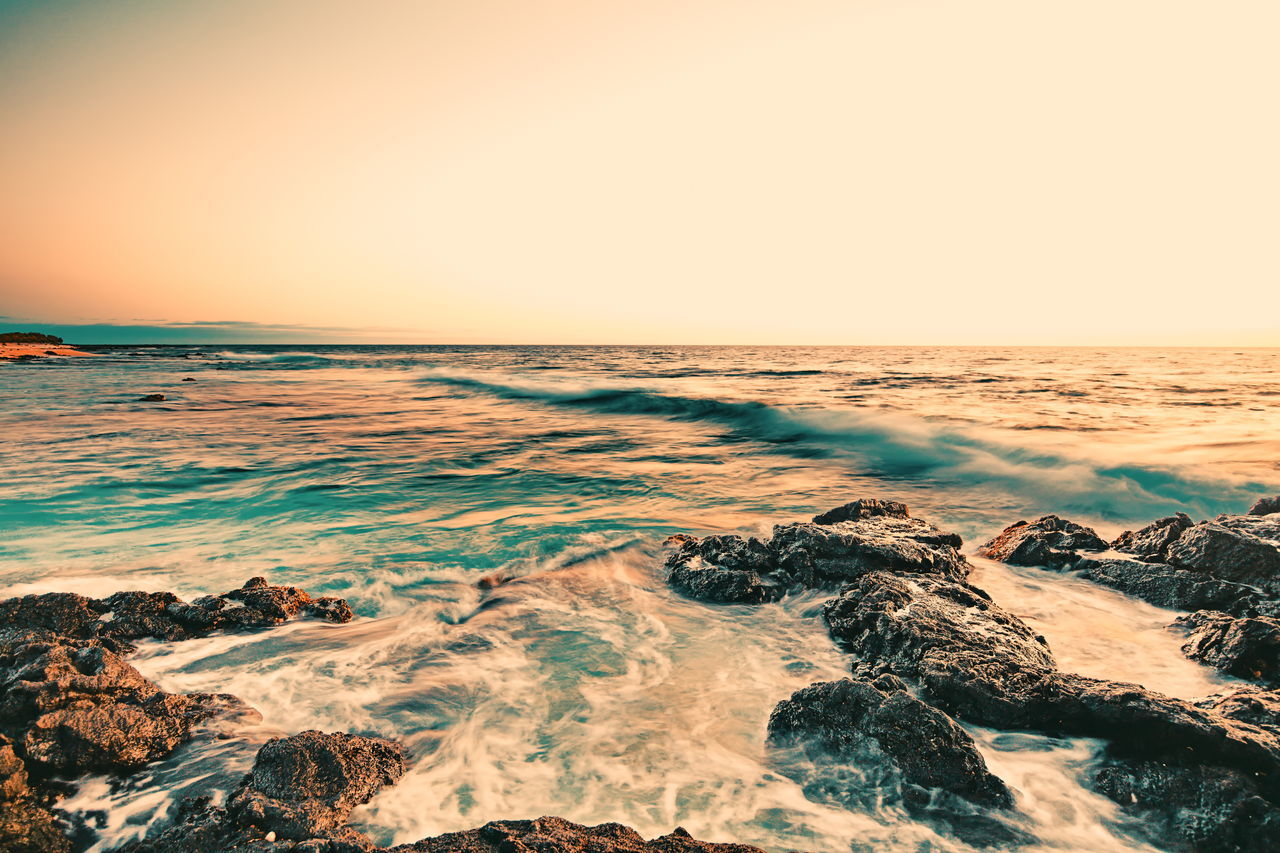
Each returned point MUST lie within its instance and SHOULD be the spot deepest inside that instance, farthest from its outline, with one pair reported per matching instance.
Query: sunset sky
(692, 171)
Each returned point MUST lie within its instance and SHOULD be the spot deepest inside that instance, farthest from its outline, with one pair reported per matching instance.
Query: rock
(818, 555)
(188, 379)
(1252, 705)
(26, 824)
(1048, 541)
(151, 398)
(556, 835)
(1207, 809)
(726, 569)
(1166, 586)
(126, 616)
(73, 706)
(1265, 506)
(307, 784)
(836, 719)
(1152, 542)
(1229, 554)
(861, 509)
(981, 663)
(1246, 648)
(1266, 527)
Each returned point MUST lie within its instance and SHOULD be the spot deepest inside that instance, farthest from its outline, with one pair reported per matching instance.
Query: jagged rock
(1266, 527)
(74, 706)
(126, 616)
(1152, 542)
(863, 508)
(26, 824)
(1204, 808)
(1048, 541)
(727, 569)
(981, 663)
(1265, 506)
(1166, 586)
(1229, 554)
(1246, 648)
(308, 783)
(556, 835)
(835, 719)
(301, 789)
(1252, 705)
(818, 555)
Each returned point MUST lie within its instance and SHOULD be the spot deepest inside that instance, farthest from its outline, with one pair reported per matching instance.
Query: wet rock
(151, 398)
(1246, 648)
(1253, 705)
(861, 509)
(819, 555)
(126, 616)
(73, 706)
(981, 663)
(1229, 554)
(1265, 527)
(26, 823)
(307, 784)
(726, 569)
(1152, 542)
(1265, 506)
(1166, 586)
(556, 835)
(1048, 541)
(188, 379)
(835, 720)
(1200, 808)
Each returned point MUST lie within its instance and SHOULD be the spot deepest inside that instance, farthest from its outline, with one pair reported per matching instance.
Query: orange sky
(703, 172)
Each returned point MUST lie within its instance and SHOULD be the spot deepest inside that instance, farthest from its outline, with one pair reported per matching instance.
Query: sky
(657, 171)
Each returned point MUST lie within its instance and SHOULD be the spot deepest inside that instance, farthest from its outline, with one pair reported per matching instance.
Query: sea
(399, 476)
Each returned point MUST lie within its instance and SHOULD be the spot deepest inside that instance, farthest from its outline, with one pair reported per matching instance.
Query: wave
(895, 447)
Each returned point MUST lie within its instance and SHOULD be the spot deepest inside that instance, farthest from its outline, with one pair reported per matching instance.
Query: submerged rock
(1246, 648)
(151, 398)
(1048, 541)
(835, 720)
(726, 569)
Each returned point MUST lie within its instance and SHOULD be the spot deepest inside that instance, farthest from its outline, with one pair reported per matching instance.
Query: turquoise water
(399, 476)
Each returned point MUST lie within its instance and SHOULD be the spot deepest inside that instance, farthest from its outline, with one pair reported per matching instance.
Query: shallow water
(396, 477)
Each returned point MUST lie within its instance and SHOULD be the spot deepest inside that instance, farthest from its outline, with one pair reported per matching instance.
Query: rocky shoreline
(929, 651)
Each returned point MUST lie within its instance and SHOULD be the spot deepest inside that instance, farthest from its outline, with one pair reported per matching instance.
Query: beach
(10, 351)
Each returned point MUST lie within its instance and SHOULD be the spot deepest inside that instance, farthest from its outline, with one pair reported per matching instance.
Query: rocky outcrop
(1151, 543)
(840, 545)
(1166, 586)
(1265, 506)
(70, 703)
(1048, 541)
(1230, 554)
(838, 720)
(556, 835)
(119, 619)
(1246, 648)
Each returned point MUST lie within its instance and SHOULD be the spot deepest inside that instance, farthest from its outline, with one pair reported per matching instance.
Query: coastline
(14, 352)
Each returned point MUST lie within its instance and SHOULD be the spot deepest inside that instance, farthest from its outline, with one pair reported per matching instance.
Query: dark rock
(151, 398)
(1048, 541)
(835, 720)
(556, 835)
(1229, 554)
(1252, 705)
(1152, 542)
(863, 508)
(1266, 527)
(307, 784)
(826, 555)
(73, 706)
(188, 379)
(26, 824)
(1165, 585)
(1265, 506)
(126, 616)
(1204, 808)
(1246, 648)
(727, 569)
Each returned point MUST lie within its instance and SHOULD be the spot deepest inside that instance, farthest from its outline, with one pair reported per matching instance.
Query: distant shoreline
(12, 352)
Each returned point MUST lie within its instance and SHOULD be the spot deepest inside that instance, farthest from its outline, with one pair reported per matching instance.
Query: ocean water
(397, 477)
